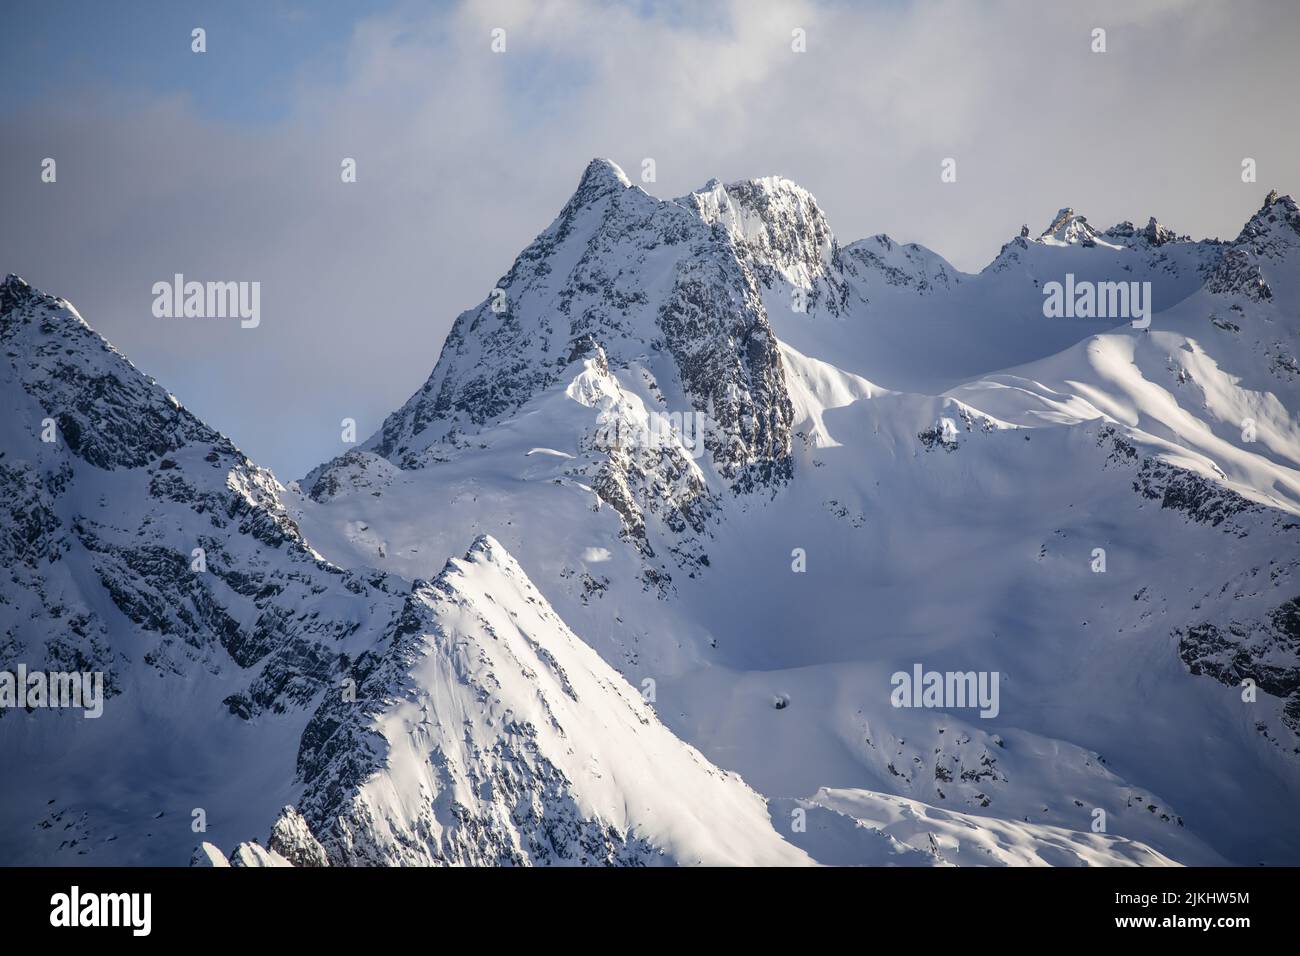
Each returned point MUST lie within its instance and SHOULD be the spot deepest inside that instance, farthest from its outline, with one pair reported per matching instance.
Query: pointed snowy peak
(879, 260)
(486, 549)
(207, 855)
(108, 413)
(489, 733)
(253, 855)
(1262, 254)
(601, 178)
(1069, 228)
(1276, 225)
(656, 284)
(14, 291)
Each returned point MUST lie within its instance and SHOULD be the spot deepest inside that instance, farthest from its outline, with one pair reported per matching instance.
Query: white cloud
(464, 155)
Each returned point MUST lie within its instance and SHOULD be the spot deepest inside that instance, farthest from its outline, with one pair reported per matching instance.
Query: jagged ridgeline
(661, 283)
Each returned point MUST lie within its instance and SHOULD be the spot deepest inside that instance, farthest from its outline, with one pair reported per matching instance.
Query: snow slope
(847, 826)
(500, 738)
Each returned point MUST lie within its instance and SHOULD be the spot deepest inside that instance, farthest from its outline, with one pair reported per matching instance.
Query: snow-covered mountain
(498, 737)
(721, 479)
(244, 672)
(140, 543)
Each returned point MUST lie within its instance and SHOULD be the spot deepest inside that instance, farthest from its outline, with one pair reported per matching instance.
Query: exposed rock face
(779, 234)
(1153, 233)
(673, 285)
(1198, 498)
(292, 839)
(1158, 235)
(108, 415)
(134, 500)
(643, 466)
(1265, 243)
(1265, 651)
(1238, 643)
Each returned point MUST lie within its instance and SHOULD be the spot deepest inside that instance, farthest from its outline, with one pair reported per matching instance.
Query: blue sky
(60, 47)
(225, 165)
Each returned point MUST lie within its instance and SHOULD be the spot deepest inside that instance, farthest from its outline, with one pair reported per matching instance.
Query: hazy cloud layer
(464, 155)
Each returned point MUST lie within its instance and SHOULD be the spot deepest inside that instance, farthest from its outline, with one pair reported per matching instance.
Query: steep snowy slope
(1213, 387)
(1071, 556)
(491, 734)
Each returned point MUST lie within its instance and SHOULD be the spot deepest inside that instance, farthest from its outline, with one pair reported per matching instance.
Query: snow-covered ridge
(499, 737)
(778, 231)
(909, 266)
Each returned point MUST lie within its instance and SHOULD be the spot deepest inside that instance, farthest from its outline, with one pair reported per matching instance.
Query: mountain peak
(879, 259)
(1277, 212)
(1157, 234)
(774, 223)
(14, 291)
(761, 189)
(489, 549)
(600, 178)
(1274, 230)
(1067, 228)
(1267, 243)
(13, 282)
